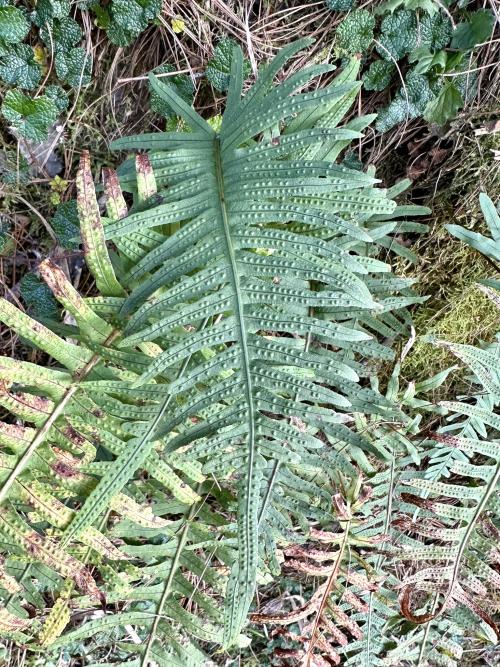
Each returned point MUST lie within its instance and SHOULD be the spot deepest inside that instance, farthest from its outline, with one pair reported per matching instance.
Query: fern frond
(334, 619)
(231, 341)
(454, 528)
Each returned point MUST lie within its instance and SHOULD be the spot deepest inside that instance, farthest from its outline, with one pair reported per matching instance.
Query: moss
(448, 270)
(470, 319)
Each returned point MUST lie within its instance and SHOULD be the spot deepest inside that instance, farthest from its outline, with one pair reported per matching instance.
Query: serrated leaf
(58, 96)
(13, 25)
(418, 90)
(39, 300)
(434, 32)
(18, 67)
(7, 244)
(398, 35)
(379, 75)
(118, 35)
(426, 60)
(64, 32)
(340, 5)
(73, 66)
(219, 66)
(30, 117)
(46, 10)
(355, 33)
(409, 102)
(65, 224)
(130, 17)
(476, 30)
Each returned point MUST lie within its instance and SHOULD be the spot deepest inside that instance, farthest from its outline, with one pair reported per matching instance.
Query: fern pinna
(221, 373)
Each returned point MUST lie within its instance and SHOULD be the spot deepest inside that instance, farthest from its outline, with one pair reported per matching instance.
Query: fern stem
(491, 486)
(128, 461)
(274, 474)
(270, 486)
(168, 584)
(328, 587)
(426, 633)
(247, 517)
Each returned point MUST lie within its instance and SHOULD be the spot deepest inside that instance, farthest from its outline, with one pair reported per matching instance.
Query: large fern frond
(223, 371)
(245, 305)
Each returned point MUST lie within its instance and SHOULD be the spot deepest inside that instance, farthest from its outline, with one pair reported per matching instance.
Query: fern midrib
(490, 487)
(245, 358)
(328, 589)
(181, 543)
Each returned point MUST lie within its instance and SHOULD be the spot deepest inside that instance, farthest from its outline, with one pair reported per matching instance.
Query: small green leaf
(31, 118)
(434, 31)
(429, 6)
(7, 243)
(476, 30)
(14, 168)
(18, 67)
(102, 17)
(13, 25)
(426, 60)
(352, 161)
(58, 96)
(490, 247)
(465, 83)
(133, 15)
(454, 60)
(73, 66)
(398, 35)
(418, 90)
(355, 33)
(379, 75)
(65, 224)
(491, 215)
(219, 67)
(38, 298)
(445, 106)
(64, 32)
(46, 10)
(398, 111)
(410, 102)
(118, 35)
(129, 18)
